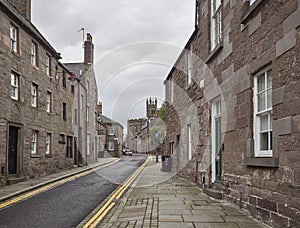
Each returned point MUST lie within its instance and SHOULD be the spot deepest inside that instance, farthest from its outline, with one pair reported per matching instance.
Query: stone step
(15, 180)
(214, 193)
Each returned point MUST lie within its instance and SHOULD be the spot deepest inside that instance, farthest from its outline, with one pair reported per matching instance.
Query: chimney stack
(99, 107)
(89, 50)
(23, 6)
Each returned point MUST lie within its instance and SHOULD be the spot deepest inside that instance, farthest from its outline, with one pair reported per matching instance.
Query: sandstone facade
(214, 88)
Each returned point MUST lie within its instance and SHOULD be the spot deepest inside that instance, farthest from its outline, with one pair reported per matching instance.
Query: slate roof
(75, 67)
(105, 120)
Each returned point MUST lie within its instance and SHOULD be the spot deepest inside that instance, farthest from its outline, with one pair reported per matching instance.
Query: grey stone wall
(21, 114)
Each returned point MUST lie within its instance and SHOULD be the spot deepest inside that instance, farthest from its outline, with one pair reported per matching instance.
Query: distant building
(133, 128)
(36, 100)
(114, 135)
(233, 110)
(139, 138)
(85, 105)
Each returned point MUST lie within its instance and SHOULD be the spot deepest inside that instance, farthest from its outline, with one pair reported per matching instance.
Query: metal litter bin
(166, 163)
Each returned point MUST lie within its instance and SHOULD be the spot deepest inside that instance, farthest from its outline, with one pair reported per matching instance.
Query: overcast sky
(136, 43)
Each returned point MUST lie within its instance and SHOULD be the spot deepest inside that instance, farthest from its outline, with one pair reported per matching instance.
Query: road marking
(51, 186)
(97, 218)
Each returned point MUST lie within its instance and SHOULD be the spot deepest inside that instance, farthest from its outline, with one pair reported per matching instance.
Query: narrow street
(67, 205)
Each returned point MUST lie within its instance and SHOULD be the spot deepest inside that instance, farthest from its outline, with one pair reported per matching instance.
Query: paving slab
(174, 203)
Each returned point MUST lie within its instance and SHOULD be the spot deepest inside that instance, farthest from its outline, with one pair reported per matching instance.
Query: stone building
(233, 111)
(134, 126)
(36, 100)
(139, 137)
(114, 135)
(85, 105)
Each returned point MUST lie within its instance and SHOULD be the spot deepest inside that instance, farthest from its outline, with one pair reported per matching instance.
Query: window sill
(188, 86)
(250, 10)
(272, 162)
(16, 54)
(216, 50)
(34, 155)
(48, 155)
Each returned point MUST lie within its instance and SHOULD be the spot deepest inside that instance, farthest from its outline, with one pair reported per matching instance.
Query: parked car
(127, 152)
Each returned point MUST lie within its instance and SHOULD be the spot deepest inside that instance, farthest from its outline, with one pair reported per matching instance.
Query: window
(34, 138)
(189, 66)
(15, 81)
(263, 114)
(69, 148)
(87, 113)
(64, 80)
(88, 141)
(34, 94)
(75, 116)
(72, 89)
(48, 64)
(189, 141)
(48, 143)
(111, 145)
(110, 130)
(87, 86)
(171, 147)
(252, 2)
(216, 23)
(13, 38)
(64, 111)
(82, 102)
(34, 54)
(62, 138)
(49, 101)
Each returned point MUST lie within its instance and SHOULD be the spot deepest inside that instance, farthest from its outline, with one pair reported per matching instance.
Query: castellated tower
(151, 108)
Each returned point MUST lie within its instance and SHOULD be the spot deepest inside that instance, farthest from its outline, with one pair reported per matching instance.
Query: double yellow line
(97, 218)
(50, 186)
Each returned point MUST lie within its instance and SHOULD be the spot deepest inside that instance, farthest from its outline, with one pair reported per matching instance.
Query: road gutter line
(51, 185)
(98, 217)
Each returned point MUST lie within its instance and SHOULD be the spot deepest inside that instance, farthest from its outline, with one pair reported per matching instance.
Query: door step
(214, 191)
(14, 180)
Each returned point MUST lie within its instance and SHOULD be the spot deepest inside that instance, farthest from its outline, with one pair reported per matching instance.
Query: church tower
(151, 108)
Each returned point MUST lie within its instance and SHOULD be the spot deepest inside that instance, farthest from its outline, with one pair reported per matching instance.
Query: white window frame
(13, 38)
(267, 111)
(34, 139)
(88, 142)
(216, 112)
(15, 82)
(34, 95)
(189, 141)
(49, 102)
(111, 145)
(110, 131)
(33, 53)
(87, 113)
(216, 24)
(48, 143)
(48, 64)
(189, 67)
(252, 2)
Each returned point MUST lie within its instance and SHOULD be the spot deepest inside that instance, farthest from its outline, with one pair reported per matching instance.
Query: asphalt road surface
(67, 205)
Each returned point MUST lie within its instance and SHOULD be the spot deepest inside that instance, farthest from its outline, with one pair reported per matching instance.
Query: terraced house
(36, 115)
(233, 112)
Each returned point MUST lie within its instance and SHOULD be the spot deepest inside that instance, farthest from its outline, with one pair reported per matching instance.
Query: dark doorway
(13, 150)
(75, 152)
